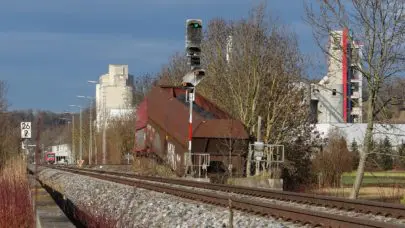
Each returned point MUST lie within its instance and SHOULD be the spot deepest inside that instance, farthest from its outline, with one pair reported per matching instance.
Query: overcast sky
(50, 48)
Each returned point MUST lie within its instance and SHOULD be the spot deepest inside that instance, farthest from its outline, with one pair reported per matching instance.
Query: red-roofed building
(162, 128)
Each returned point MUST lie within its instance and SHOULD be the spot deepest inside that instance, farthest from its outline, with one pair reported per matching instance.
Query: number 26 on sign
(26, 130)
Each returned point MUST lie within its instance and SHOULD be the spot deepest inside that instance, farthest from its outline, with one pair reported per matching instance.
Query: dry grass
(148, 166)
(16, 209)
(365, 192)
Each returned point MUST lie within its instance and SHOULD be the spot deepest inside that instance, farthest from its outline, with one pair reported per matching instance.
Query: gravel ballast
(136, 207)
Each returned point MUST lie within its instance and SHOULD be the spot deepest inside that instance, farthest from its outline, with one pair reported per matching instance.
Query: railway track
(360, 206)
(287, 213)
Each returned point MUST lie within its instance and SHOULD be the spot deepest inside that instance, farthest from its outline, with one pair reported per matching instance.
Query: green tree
(355, 152)
(385, 159)
(401, 153)
(372, 158)
(297, 169)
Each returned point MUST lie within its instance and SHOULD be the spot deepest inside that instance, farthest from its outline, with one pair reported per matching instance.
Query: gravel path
(136, 207)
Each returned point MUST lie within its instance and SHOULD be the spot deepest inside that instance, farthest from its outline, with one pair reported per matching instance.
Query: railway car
(50, 157)
(162, 129)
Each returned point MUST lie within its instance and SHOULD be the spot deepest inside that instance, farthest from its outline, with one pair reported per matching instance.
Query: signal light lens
(195, 25)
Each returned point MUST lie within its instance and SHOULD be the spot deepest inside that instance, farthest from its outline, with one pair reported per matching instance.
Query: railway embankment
(118, 205)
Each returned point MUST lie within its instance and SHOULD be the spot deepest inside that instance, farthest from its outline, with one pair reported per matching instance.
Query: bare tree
(260, 76)
(3, 100)
(391, 101)
(334, 159)
(142, 86)
(9, 135)
(254, 67)
(380, 26)
(121, 132)
(172, 73)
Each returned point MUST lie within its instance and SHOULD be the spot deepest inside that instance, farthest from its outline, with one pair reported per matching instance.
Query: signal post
(192, 78)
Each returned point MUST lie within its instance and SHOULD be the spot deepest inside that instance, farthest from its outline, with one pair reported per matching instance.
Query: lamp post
(90, 126)
(102, 116)
(73, 160)
(81, 139)
(95, 138)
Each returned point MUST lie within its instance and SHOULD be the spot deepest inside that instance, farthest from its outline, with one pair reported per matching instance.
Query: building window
(355, 118)
(334, 92)
(355, 86)
(355, 103)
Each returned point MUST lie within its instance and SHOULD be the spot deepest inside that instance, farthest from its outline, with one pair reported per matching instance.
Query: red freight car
(162, 129)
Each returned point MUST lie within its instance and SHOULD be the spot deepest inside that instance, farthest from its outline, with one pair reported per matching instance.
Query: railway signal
(193, 42)
(194, 37)
(194, 77)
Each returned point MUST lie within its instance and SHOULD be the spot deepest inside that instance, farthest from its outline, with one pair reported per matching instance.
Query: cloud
(49, 48)
(107, 6)
(32, 46)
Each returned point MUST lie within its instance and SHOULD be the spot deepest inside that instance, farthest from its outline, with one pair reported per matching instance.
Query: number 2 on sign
(26, 132)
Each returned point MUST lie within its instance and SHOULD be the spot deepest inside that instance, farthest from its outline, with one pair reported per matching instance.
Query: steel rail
(287, 213)
(361, 206)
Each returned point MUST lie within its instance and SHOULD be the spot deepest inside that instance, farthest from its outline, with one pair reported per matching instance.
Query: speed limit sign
(26, 130)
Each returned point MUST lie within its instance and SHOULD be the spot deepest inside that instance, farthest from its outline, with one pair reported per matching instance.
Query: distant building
(337, 98)
(114, 93)
(63, 153)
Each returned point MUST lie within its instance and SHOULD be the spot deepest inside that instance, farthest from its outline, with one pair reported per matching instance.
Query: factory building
(114, 94)
(337, 98)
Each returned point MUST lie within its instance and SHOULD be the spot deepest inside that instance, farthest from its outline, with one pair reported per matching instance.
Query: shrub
(333, 160)
(16, 208)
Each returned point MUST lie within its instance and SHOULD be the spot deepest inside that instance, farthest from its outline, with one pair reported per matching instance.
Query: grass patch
(378, 174)
(370, 180)
(387, 178)
(16, 208)
(365, 192)
(148, 166)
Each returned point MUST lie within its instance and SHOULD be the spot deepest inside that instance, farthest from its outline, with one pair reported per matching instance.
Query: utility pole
(97, 113)
(91, 131)
(73, 139)
(37, 151)
(90, 126)
(104, 143)
(95, 150)
(81, 134)
(104, 125)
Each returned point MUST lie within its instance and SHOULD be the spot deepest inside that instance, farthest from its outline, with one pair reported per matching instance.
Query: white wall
(395, 132)
(63, 150)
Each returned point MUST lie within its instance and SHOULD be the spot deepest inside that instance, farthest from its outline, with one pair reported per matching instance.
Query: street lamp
(101, 116)
(73, 160)
(81, 139)
(97, 123)
(90, 125)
